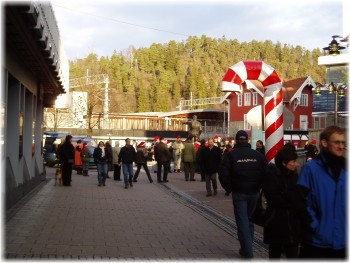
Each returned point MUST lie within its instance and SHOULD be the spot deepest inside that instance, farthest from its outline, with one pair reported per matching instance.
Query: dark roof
(291, 86)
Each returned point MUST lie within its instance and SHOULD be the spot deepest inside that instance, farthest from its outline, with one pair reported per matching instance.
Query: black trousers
(165, 171)
(276, 250)
(202, 173)
(189, 170)
(116, 174)
(144, 165)
(211, 178)
(312, 252)
(66, 173)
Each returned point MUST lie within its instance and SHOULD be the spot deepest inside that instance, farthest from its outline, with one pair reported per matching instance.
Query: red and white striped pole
(273, 98)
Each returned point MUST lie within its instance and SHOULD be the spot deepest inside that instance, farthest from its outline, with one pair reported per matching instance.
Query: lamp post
(336, 89)
(334, 47)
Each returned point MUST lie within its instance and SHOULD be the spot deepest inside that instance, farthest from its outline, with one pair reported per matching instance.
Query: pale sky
(104, 26)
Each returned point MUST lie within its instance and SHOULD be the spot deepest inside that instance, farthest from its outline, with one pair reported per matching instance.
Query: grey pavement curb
(224, 222)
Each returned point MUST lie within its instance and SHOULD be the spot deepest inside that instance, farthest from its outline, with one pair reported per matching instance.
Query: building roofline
(225, 97)
(171, 113)
(297, 94)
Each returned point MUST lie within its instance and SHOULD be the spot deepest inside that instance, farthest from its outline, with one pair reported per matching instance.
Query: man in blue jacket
(242, 173)
(325, 177)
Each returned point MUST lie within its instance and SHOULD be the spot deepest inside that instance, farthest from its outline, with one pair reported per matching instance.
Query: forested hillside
(156, 78)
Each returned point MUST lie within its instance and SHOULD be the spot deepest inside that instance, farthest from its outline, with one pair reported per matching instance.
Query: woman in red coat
(78, 161)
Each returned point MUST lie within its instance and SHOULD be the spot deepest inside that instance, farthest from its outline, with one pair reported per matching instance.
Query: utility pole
(106, 104)
(94, 80)
(191, 100)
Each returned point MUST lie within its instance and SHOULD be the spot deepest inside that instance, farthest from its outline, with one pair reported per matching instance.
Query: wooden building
(297, 98)
(146, 125)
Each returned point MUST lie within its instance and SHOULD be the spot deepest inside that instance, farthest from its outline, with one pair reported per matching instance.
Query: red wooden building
(297, 97)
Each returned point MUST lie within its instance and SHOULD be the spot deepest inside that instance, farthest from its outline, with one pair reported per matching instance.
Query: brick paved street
(144, 222)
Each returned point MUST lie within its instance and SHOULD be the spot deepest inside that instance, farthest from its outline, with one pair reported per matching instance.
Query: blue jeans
(128, 171)
(102, 172)
(243, 206)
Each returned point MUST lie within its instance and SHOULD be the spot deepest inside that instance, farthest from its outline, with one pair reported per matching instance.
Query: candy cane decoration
(273, 98)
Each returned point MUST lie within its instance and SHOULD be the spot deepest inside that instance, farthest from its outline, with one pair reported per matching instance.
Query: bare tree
(55, 118)
(89, 104)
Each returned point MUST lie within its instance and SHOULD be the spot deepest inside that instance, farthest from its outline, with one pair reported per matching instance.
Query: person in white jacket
(178, 148)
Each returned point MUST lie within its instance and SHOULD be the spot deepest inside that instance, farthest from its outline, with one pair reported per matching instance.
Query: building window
(247, 99)
(317, 122)
(255, 98)
(289, 128)
(247, 126)
(304, 100)
(239, 100)
(304, 122)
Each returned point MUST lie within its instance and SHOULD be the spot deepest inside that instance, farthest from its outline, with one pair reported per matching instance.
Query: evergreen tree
(143, 97)
(158, 77)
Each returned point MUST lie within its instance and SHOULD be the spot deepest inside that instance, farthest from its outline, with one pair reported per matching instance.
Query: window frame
(255, 98)
(304, 100)
(239, 100)
(246, 125)
(247, 99)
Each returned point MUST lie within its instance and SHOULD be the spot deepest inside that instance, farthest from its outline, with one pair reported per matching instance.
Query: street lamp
(334, 47)
(334, 88)
(337, 89)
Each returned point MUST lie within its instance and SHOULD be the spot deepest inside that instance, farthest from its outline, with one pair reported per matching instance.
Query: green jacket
(189, 152)
(86, 155)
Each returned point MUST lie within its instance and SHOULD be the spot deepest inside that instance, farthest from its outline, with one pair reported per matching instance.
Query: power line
(131, 24)
(120, 21)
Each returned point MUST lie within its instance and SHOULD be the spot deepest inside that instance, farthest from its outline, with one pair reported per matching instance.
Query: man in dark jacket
(126, 158)
(198, 159)
(67, 154)
(141, 160)
(210, 159)
(162, 156)
(108, 148)
(242, 173)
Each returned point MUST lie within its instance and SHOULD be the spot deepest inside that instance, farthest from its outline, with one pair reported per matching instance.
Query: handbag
(260, 215)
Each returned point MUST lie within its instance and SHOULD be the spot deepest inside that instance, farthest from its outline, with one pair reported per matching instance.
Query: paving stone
(146, 222)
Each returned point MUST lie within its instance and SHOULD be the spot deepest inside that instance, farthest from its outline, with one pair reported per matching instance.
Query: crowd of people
(181, 156)
(306, 213)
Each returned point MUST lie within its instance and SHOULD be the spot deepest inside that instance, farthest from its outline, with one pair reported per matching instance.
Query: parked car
(51, 142)
(53, 139)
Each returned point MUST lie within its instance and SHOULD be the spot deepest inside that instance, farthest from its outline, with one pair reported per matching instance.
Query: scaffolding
(206, 101)
(198, 102)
